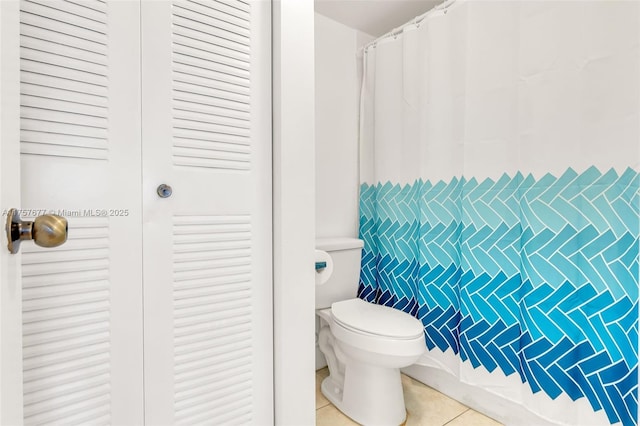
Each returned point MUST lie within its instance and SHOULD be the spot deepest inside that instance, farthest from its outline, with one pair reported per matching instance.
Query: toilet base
(371, 396)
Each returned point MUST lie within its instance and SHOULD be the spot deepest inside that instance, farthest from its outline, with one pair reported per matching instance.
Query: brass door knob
(48, 230)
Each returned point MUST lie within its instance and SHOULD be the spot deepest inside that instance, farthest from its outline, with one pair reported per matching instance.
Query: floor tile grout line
(322, 406)
(445, 424)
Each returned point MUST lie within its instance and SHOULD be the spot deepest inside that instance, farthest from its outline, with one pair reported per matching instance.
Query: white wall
(337, 86)
(337, 100)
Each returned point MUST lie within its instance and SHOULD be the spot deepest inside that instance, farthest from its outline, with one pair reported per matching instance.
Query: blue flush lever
(320, 265)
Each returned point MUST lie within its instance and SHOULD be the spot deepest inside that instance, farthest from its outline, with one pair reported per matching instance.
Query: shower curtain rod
(394, 32)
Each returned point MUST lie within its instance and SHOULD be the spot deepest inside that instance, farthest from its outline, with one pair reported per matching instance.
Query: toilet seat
(366, 318)
(366, 345)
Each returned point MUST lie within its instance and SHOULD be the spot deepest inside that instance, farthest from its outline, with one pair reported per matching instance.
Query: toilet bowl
(365, 346)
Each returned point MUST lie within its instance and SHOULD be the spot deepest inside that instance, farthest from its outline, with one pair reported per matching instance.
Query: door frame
(293, 80)
(10, 279)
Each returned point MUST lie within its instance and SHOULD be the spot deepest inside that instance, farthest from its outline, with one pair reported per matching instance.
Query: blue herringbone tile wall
(534, 277)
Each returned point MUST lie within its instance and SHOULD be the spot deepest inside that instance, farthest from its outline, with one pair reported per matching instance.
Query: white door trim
(10, 281)
(293, 211)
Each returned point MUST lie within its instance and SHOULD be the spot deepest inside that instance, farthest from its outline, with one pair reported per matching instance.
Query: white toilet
(365, 344)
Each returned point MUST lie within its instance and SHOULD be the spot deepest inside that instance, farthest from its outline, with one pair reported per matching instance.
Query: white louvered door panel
(80, 157)
(206, 133)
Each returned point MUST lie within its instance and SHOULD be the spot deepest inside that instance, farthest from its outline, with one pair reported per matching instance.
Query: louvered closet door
(206, 133)
(80, 156)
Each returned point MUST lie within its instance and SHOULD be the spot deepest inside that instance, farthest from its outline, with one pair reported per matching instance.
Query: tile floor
(425, 407)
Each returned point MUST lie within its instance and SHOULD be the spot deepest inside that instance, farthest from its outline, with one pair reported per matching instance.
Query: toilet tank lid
(338, 243)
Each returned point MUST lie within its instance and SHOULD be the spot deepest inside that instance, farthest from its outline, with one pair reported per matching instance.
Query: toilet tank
(346, 254)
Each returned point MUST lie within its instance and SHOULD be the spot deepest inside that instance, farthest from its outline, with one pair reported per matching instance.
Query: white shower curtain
(500, 148)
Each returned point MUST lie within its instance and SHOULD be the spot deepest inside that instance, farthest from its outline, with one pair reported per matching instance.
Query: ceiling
(374, 17)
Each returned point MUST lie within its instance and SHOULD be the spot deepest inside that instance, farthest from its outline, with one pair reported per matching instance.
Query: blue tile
(627, 347)
(581, 239)
(593, 305)
(608, 211)
(545, 381)
(491, 333)
(557, 351)
(454, 321)
(509, 286)
(537, 295)
(452, 338)
(560, 212)
(619, 406)
(605, 337)
(630, 319)
(626, 213)
(579, 352)
(631, 255)
(468, 352)
(629, 382)
(571, 330)
(536, 349)
(494, 283)
(536, 242)
(576, 374)
(595, 363)
(444, 317)
(482, 309)
(502, 359)
(483, 356)
(525, 339)
(596, 186)
(625, 281)
(557, 241)
(548, 328)
(631, 407)
(548, 272)
(561, 185)
(603, 398)
(614, 373)
(507, 336)
(617, 310)
(533, 384)
(558, 295)
(465, 323)
(570, 387)
(475, 330)
(477, 282)
(600, 244)
(436, 338)
(504, 311)
(585, 293)
(589, 271)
